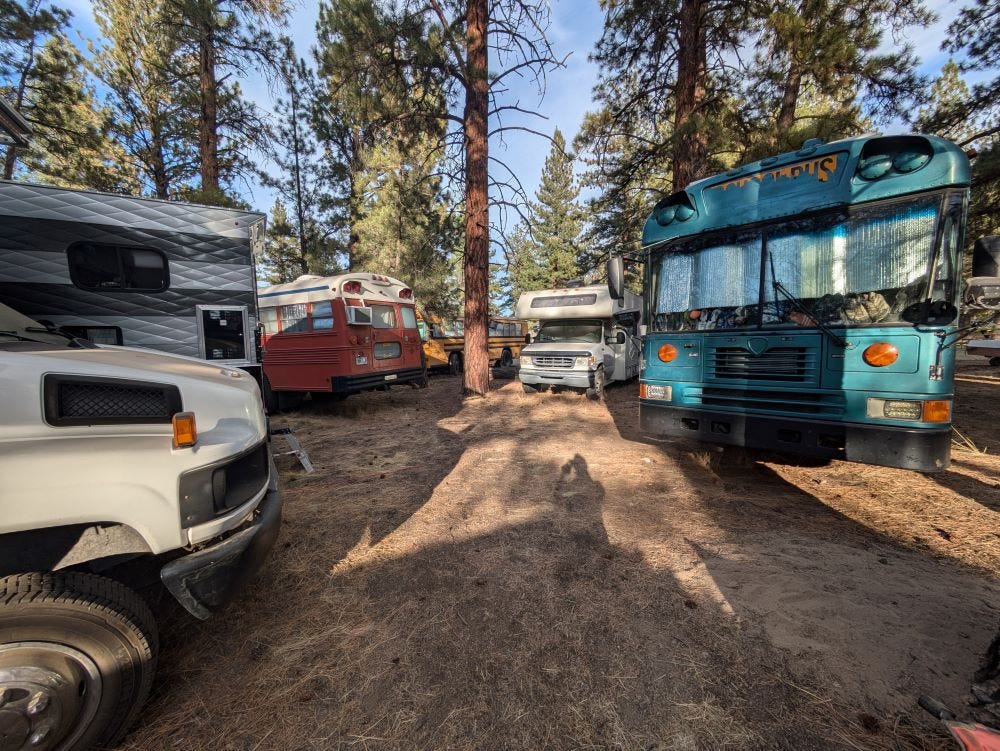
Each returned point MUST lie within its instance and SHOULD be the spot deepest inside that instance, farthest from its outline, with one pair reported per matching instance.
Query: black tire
(288, 400)
(506, 359)
(529, 388)
(596, 392)
(96, 635)
(995, 362)
(455, 363)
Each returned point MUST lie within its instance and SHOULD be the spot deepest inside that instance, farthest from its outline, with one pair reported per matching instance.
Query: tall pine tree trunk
(477, 238)
(789, 101)
(158, 166)
(208, 142)
(690, 143)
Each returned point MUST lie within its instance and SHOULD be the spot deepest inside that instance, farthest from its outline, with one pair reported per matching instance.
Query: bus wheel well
(97, 547)
(455, 364)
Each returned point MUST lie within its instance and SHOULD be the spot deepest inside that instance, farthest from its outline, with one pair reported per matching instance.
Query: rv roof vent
(308, 278)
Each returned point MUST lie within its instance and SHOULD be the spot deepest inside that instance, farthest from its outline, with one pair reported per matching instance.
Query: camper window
(94, 266)
(383, 317)
(322, 316)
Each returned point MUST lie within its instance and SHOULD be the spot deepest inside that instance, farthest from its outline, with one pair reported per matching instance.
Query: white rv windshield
(588, 332)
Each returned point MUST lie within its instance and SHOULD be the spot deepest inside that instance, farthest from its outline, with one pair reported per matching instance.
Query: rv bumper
(354, 384)
(203, 581)
(576, 379)
(922, 449)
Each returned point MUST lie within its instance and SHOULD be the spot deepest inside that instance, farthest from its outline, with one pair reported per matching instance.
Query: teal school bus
(807, 303)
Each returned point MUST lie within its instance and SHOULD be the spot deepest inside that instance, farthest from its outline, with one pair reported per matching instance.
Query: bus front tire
(506, 359)
(454, 363)
(596, 392)
(77, 657)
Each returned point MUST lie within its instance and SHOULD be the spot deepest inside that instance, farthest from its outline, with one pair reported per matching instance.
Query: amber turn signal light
(880, 354)
(185, 431)
(937, 410)
(667, 353)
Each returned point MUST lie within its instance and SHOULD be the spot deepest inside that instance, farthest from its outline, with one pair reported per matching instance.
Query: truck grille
(779, 364)
(553, 361)
(85, 400)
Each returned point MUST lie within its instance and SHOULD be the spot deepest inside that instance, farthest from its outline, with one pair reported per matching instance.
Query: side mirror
(527, 338)
(616, 277)
(621, 338)
(982, 293)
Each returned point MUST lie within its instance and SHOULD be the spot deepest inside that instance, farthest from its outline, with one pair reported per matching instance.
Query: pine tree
(156, 131)
(281, 260)
(557, 219)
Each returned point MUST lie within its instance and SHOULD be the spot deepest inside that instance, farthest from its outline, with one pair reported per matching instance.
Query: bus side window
(322, 316)
(293, 318)
(409, 318)
(269, 319)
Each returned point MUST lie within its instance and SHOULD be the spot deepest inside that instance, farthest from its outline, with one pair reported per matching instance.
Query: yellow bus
(444, 340)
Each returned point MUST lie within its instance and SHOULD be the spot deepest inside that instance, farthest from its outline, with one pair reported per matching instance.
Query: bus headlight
(648, 391)
(932, 410)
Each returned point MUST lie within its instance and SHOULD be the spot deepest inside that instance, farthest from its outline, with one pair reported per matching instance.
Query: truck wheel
(529, 388)
(506, 359)
(77, 655)
(454, 363)
(596, 391)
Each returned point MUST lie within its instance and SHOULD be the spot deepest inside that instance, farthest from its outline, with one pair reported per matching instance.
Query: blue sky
(576, 25)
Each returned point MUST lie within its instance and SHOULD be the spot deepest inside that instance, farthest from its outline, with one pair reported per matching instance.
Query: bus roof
(310, 288)
(593, 301)
(817, 176)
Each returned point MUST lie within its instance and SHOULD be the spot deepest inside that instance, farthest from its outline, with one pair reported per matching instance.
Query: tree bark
(477, 238)
(690, 143)
(208, 141)
(789, 101)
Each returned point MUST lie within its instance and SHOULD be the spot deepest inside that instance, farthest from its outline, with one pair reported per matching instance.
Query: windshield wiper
(797, 304)
(73, 340)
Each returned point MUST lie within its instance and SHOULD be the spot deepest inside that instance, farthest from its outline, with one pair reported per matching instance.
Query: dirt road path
(526, 572)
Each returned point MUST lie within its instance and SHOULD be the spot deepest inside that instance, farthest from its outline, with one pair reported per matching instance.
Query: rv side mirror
(616, 277)
(982, 293)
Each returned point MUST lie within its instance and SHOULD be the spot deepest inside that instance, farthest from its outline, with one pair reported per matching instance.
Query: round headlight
(880, 354)
(910, 161)
(875, 167)
(683, 213)
(667, 352)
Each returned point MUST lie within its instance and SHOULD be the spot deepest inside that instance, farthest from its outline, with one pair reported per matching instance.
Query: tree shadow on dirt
(880, 618)
(986, 494)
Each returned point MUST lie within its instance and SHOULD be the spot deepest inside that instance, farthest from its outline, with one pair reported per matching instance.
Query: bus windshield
(848, 268)
(588, 332)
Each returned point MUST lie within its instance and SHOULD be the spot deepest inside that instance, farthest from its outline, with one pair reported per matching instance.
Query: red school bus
(338, 335)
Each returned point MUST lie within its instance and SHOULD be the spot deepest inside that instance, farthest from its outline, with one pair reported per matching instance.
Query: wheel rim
(49, 694)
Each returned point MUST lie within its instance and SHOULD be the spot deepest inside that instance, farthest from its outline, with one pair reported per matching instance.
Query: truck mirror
(616, 277)
(982, 293)
(621, 337)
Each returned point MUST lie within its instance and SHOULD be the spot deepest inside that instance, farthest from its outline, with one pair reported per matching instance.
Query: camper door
(224, 333)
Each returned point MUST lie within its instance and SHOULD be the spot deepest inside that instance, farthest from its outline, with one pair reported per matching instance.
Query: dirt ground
(528, 572)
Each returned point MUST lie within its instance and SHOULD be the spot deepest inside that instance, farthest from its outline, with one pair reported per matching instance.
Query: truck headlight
(525, 360)
(586, 362)
(935, 410)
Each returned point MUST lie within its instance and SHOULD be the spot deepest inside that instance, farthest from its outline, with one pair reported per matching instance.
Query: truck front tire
(596, 392)
(77, 656)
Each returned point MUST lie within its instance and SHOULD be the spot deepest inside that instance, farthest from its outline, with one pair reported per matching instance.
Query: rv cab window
(111, 267)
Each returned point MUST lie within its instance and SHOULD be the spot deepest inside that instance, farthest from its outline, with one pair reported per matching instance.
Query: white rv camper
(137, 272)
(585, 339)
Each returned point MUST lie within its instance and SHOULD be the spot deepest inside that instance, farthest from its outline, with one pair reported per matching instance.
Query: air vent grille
(76, 400)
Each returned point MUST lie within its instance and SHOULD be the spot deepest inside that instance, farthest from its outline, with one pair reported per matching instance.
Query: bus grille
(762, 400)
(781, 364)
(553, 361)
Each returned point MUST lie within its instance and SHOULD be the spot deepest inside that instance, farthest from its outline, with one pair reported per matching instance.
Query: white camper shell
(140, 272)
(585, 338)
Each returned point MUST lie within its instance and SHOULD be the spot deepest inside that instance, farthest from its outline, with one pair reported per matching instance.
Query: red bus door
(387, 338)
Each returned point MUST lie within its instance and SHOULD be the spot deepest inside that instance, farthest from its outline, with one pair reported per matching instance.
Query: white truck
(585, 339)
(119, 469)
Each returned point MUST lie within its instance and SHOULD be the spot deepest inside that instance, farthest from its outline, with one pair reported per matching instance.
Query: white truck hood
(577, 349)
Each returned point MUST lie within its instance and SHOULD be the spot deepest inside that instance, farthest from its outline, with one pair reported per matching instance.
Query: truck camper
(338, 335)
(140, 272)
(585, 338)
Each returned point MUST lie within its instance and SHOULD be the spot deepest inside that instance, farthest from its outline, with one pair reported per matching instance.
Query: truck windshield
(843, 269)
(570, 331)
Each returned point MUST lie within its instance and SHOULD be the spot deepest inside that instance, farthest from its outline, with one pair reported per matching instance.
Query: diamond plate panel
(22, 266)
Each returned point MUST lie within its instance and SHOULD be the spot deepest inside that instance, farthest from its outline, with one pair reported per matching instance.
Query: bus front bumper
(577, 379)
(922, 449)
(355, 384)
